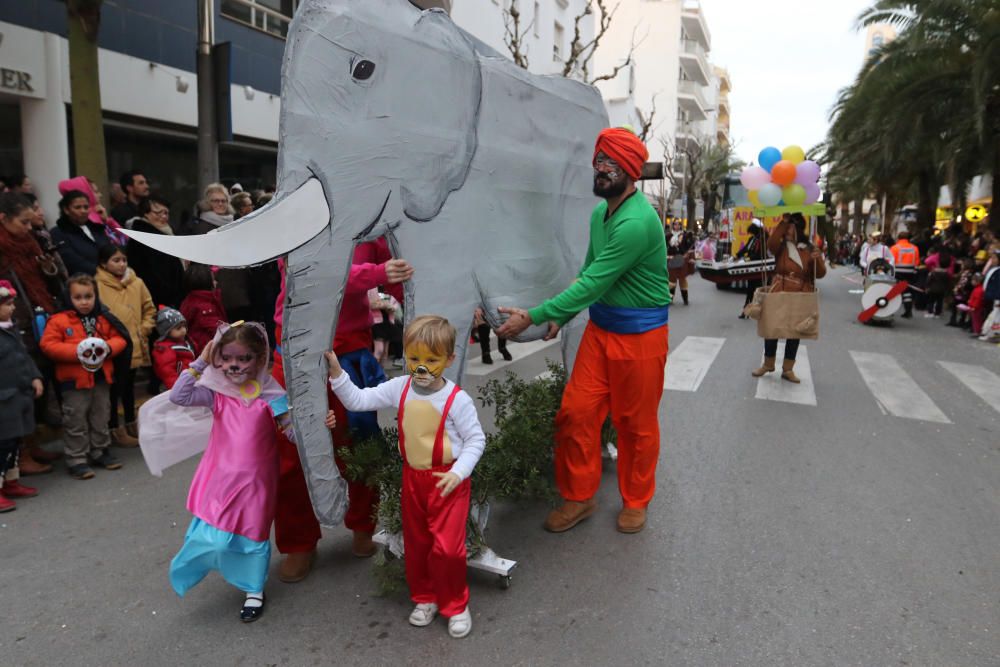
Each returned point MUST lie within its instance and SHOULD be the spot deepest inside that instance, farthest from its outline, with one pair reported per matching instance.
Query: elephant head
(379, 107)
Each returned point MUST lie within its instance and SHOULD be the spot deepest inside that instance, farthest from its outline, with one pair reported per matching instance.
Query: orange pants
(623, 374)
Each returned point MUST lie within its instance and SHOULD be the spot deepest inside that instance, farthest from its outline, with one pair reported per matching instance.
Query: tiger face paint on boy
(424, 365)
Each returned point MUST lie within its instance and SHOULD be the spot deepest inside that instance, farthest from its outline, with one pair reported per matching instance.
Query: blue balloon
(781, 202)
(769, 157)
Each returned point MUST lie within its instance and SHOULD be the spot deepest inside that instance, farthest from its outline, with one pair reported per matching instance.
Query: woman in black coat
(162, 273)
(77, 238)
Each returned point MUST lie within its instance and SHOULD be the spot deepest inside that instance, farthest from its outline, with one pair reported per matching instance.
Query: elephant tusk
(273, 231)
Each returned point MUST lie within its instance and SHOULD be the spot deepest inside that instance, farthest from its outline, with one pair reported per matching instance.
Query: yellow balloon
(793, 154)
(752, 196)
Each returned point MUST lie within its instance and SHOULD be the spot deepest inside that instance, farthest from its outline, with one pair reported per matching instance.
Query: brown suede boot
(132, 428)
(569, 514)
(296, 566)
(631, 519)
(120, 436)
(768, 367)
(787, 373)
(30, 466)
(362, 546)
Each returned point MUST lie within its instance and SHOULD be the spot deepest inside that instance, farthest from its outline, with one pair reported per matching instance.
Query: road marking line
(985, 383)
(474, 362)
(894, 390)
(770, 386)
(690, 361)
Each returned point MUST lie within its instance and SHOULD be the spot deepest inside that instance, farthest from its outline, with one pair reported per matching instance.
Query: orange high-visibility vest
(905, 254)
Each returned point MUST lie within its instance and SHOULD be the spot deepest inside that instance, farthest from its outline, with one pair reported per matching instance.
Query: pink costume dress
(234, 490)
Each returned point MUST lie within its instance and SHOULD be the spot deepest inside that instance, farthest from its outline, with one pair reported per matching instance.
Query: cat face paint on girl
(238, 363)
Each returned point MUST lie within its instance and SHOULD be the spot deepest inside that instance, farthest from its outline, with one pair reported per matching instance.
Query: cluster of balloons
(782, 177)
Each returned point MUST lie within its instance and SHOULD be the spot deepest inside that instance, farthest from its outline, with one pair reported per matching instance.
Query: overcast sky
(787, 59)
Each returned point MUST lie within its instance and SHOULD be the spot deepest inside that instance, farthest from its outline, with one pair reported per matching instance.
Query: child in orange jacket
(82, 342)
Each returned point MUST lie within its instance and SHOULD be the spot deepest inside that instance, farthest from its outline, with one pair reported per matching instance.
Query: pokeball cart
(883, 294)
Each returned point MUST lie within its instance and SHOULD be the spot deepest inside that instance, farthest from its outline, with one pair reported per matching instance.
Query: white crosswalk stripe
(986, 384)
(474, 364)
(771, 387)
(896, 392)
(689, 362)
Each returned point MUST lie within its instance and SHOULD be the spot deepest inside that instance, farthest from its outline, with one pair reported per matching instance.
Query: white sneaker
(928, 315)
(460, 625)
(423, 614)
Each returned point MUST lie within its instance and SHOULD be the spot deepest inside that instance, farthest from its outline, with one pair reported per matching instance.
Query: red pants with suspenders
(295, 526)
(434, 527)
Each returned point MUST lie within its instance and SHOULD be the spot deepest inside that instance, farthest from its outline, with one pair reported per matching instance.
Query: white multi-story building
(546, 27)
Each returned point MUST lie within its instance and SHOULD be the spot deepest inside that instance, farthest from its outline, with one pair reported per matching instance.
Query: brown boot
(296, 566)
(787, 373)
(132, 428)
(363, 546)
(768, 367)
(30, 466)
(569, 514)
(631, 519)
(121, 437)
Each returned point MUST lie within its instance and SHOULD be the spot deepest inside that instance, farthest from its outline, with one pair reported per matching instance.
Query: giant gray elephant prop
(396, 122)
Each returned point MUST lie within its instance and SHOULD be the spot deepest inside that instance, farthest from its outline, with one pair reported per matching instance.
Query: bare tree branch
(513, 35)
(647, 123)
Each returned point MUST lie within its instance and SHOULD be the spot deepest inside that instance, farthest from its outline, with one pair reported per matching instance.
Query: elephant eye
(363, 70)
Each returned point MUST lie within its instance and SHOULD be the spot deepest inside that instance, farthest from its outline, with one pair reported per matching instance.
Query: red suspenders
(437, 457)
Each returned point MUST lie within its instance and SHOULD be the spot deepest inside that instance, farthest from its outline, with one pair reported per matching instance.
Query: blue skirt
(241, 561)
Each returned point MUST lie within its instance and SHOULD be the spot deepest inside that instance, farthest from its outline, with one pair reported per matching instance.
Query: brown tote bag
(785, 314)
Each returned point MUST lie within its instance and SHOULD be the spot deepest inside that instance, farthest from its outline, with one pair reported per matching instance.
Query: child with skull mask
(234, 490)
(82, 341)
(440, 440)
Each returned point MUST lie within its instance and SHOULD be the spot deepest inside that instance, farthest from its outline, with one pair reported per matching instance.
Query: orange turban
(623, 147)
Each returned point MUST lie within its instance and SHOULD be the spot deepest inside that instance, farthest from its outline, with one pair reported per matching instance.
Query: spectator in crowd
(202, 308)
(85, 335)
(128, 299)
(20, 384)
(136, 188)
(173, 352)
(97, 214)
(162, 273)
(213, 212)
(43, 236)
(21, 184)
(76, 236)
(242, 204)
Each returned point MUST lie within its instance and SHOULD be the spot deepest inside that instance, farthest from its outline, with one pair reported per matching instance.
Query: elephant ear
(442, 98)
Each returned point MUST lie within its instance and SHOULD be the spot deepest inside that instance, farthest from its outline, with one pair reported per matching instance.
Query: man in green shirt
(622, 358)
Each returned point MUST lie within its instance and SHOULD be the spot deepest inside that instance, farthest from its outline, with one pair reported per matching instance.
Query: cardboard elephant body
(396, 122)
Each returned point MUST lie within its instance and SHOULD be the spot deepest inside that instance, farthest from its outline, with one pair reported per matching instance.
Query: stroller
(883, 295)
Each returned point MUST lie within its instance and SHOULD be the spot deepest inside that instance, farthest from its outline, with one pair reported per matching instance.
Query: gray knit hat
(167, 319)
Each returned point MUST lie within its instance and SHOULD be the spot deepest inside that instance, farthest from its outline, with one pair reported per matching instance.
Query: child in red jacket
(977, 305)
(82, 342)
(172, 351)
(202, 307)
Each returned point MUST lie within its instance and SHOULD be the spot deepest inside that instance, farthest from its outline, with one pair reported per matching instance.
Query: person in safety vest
(906, 257)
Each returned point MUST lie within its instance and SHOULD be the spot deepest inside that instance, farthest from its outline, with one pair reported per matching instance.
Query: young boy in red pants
(440, 440)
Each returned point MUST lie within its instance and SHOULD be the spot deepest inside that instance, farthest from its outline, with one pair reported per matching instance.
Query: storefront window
(10, 140)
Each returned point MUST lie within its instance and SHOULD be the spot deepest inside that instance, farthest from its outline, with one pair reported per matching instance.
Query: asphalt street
(843, 522)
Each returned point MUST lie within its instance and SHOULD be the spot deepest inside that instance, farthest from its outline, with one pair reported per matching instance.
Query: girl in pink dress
(233, 493)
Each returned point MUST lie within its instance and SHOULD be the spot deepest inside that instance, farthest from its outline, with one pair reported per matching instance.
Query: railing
(692, 88)
(259, 16)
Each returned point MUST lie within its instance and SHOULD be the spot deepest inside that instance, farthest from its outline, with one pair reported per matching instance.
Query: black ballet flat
(251, 614)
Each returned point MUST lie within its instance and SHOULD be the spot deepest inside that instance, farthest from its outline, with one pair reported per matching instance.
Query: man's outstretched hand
(517, 322)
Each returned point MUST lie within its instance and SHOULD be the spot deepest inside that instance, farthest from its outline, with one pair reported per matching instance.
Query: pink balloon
(806, 172)
(812, 193)
(753, 178)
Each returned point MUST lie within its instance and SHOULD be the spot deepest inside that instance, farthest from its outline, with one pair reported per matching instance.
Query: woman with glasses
(162, 273)
(214, 211)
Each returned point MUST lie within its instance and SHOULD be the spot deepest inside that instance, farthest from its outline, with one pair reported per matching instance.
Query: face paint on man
(238, 363)
(425, 365)
(609, 177)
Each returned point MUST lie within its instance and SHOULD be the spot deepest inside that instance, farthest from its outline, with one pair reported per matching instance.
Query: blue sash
(624, 320)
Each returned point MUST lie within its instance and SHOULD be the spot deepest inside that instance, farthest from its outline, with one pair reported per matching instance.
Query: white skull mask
(92, 352)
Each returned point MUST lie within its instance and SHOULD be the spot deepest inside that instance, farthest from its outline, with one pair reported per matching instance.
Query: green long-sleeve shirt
(626, 264)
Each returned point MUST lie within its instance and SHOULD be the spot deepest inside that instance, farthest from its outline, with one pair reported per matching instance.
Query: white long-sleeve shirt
(464, 441)
(870, 253)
